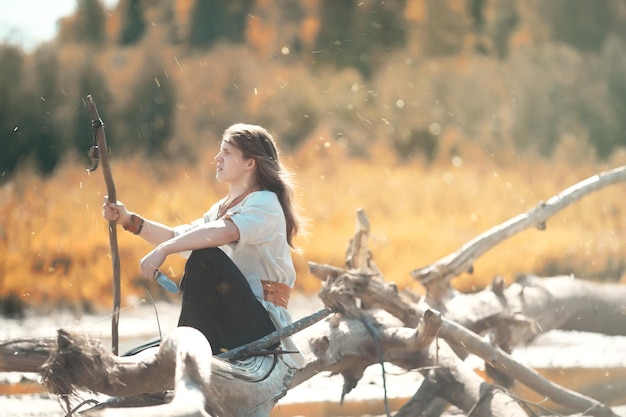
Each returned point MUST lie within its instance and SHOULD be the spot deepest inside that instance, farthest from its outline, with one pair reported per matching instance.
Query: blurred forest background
(441, 118)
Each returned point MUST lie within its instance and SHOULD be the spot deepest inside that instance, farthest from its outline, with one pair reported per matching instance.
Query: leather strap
(135, 225)
(276, 293)
(223, 208)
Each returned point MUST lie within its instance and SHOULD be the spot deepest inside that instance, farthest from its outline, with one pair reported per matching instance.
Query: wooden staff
(99, 152)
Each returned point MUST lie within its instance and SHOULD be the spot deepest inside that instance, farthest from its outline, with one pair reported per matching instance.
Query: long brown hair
(256, 142)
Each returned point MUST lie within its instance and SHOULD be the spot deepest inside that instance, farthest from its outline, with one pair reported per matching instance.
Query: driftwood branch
(183, 362)
(253, 348)
(101, 153)
(25, 355)
(455, 382)
(467, 341)
(458, 335)
(437, 275)
(532, 305)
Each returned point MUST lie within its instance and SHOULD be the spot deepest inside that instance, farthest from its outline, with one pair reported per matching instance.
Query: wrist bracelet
(135, 225)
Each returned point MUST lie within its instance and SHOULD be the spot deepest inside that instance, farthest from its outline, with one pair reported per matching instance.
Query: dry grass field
(54, 248)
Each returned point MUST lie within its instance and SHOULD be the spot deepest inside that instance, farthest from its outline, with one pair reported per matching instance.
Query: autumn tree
(168, 17)
(133, 23)
(89, 79)
(612, 70)
(579, 23)
(28, 110)
(148, 114)
(218, 20)
(44, 135)
(446, 28)
(11, 108)
(354, 34)
(493, 25)
(87, 25)
(585, 104)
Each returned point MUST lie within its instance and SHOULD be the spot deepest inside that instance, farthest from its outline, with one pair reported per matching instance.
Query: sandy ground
(320, 396)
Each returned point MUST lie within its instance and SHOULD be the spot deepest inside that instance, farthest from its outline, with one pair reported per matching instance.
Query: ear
(251, 164)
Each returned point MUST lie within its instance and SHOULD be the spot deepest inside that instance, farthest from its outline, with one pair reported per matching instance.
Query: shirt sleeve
(258, 219)
(207, 217)
(184, 228)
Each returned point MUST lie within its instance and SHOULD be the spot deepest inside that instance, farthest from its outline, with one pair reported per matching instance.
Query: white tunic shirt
(262, 252)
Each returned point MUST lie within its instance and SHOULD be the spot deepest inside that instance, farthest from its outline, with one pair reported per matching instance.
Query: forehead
(228, 145)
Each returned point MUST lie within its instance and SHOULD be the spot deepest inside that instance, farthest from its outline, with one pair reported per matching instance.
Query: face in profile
(230, 163)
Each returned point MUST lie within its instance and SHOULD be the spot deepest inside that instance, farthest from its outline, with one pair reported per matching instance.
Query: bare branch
(455, 334)
(437, 275)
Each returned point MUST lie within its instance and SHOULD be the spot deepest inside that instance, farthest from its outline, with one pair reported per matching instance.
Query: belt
(276, 293)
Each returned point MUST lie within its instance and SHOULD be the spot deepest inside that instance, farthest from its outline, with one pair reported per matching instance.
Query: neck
(232, 199)
(236, 190)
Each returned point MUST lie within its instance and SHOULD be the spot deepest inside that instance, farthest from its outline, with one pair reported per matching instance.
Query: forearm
(151, 231)
(155, 233)
(209, 235)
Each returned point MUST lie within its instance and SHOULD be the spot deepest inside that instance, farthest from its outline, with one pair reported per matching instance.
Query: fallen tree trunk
(561, 302)
(373, 323)
(183, 362)
(348, 287)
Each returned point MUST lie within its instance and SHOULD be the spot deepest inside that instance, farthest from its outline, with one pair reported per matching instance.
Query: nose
(218, 157)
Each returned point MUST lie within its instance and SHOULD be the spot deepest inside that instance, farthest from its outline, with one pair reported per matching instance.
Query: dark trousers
(218, 301)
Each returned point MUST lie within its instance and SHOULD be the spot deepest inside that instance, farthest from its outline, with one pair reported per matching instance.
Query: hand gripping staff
(99, 152)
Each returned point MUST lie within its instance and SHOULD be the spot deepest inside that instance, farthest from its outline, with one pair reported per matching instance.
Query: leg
(218, 301)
